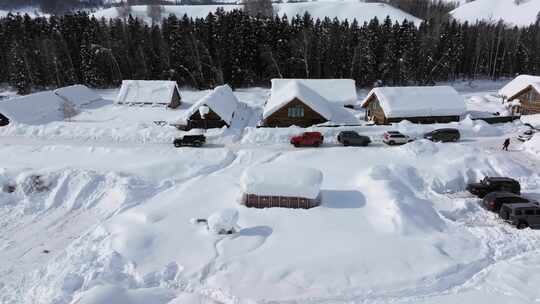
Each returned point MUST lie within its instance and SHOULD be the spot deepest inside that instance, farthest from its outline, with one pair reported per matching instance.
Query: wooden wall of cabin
(176, 100)
(530, 101)
(281, 117)
(374, 112)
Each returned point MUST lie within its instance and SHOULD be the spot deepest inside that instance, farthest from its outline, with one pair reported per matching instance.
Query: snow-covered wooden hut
(438, 104)
(150, 92)
(296, 104)
(215, 110)
(340, 92)
(4, 121)
(285, 186)
(77, 95)
(34, 109)
(523, 94)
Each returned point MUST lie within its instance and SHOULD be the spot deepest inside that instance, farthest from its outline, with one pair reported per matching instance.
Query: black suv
(494, 200)
(190, 140)
(443, 135)
(521, 215)
(351, 138)
(492, 184)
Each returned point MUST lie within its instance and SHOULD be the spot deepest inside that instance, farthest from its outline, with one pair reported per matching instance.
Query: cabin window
(296, 111)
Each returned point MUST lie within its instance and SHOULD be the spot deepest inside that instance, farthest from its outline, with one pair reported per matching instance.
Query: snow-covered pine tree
(19, 74)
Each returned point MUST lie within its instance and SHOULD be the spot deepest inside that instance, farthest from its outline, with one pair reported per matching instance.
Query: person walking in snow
(506, 144)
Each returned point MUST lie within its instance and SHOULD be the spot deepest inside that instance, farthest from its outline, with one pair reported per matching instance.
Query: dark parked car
(190, 140)
(494, 200)
(443, 135)
(313, 139)
(351, 138)
(492, 184)
(521, 215)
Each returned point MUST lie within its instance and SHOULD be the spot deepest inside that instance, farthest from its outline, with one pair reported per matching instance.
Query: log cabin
(523, 94)
(439, 104)
(295, 105)
(150, 92)
(339, 92)
(215, 110)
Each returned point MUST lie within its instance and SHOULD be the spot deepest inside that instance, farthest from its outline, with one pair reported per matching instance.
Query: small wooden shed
(150, 92)
(296, 104)
(281, 185)
(215, 110)
(4, 121)
(523, 94)
(438, 104)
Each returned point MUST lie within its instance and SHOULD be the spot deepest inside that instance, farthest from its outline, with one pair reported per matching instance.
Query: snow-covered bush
(223, 221)
(34, 183)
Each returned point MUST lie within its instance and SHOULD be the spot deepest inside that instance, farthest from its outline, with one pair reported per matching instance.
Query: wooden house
(339, 92)
(150, 92)
(215, 110)
(283, 186)
(440, 104)
(295, 104)
(522, 94)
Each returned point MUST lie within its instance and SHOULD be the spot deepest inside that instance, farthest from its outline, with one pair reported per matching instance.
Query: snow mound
(73, 189)
(398, 208)
(282, 180)
(533, 145)
(421, 147)
(223, 221)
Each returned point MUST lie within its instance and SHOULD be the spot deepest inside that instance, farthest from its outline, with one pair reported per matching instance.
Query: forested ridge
(231, 47)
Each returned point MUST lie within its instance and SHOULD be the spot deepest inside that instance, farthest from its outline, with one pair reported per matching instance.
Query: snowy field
(109, 220)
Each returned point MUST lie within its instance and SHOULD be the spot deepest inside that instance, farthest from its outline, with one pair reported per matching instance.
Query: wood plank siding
(257, 201)
(281, 117)
(211, 121)
(176, 100)
(375, 113)
(529, 99)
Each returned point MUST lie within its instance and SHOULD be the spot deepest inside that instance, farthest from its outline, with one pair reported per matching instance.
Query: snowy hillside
(321, 9)
(522, 13)
(103, 209)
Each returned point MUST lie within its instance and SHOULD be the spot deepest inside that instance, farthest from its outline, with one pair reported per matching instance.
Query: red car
(313, 139)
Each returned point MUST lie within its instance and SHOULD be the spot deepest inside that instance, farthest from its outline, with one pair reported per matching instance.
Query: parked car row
(502, 195)
(352, 138)
(346, 138)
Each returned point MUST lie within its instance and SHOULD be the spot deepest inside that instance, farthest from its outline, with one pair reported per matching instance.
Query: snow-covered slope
(522, 14)
(342, 10)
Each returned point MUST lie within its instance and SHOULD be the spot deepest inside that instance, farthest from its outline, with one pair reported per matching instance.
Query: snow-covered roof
(296, 89)
(418, 101)
(340, 91)
(33, 109)
(221, 100)
(282, 180)
(518, 84)
(147, 91)
(77, 94)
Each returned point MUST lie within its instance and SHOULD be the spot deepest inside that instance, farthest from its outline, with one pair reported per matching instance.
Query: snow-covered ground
(520, 13)
(101, 209)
